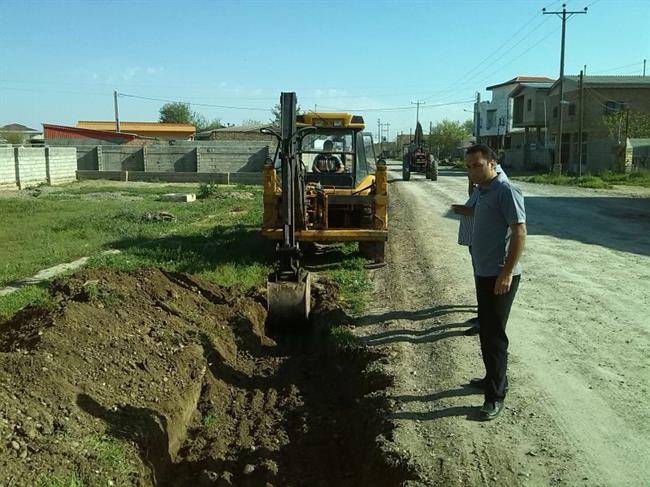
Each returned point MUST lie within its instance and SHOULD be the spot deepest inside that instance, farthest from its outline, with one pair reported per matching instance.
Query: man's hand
(503, 282)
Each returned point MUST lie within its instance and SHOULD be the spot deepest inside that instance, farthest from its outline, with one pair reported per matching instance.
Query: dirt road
(578, 410)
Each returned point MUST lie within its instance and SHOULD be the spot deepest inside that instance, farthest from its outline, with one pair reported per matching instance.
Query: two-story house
(606, 103)
(495, 117)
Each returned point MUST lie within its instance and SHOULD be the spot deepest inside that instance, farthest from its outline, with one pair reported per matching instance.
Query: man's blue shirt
(500, 204)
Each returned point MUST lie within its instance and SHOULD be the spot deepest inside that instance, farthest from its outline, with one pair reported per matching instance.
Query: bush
(207, 191)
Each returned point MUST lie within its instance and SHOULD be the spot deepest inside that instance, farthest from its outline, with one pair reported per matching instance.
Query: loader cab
(338, 135)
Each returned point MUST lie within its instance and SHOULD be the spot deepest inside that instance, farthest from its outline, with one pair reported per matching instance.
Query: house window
(613, 106)
(529, 105)
(554, 112)
(572, 109)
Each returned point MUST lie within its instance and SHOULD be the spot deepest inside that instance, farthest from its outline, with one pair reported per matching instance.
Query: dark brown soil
(154, 378)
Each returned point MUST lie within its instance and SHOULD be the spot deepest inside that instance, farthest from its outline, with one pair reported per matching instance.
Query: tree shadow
(618, 223)
(415, 315)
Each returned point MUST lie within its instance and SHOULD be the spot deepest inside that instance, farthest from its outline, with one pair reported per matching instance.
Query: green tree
(446, 136)
(637, 126)
(176, 112)
(469, 127)
(276, 111)
(12, 137)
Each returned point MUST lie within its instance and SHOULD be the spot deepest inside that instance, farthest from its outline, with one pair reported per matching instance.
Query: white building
(496, 115)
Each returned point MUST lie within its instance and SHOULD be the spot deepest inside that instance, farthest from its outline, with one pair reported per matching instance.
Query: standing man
(497, 244)
(465, 232)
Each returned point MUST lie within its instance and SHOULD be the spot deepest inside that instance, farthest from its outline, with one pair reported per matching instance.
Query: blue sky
(61, 61)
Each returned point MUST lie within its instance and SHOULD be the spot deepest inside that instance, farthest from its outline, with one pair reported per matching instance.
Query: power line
(470, 75)
(227, 107)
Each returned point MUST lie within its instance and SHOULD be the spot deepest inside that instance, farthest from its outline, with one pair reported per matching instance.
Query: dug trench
(153, 378)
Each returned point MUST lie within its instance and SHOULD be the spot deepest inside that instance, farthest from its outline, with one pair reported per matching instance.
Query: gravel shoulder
(577, 413)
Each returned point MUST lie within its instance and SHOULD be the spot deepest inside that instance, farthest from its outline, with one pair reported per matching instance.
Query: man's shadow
(430, 335)
(416, 315)
(469, 412)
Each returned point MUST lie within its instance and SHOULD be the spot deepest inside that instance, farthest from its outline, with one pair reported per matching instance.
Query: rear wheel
(432, 171)
(406, 168)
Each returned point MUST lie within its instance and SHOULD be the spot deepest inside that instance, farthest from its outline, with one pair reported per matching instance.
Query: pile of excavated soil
(155, 378)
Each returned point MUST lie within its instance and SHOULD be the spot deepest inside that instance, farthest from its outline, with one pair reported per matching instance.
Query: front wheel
(375, 251)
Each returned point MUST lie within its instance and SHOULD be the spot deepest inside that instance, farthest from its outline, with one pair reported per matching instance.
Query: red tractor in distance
(417, 158)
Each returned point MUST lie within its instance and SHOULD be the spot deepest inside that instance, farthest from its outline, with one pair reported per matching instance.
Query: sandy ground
(578, 410)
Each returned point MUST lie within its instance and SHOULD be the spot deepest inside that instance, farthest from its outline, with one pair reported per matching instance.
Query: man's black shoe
(490, 410)
(481, 384)
(473, 320)
(471, 331)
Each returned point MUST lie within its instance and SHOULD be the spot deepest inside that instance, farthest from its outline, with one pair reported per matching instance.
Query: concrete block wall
(121, 158)
(233, 156)
(7, 168)
(214, 156)
(21, 167)
(61, 164)
(30, 166)
(170, 159)
(87, 158)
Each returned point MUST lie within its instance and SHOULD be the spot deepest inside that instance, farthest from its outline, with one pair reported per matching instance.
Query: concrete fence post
(48, 173)
(145, 159)
(17, 165)
(196, 159)
(100, 162)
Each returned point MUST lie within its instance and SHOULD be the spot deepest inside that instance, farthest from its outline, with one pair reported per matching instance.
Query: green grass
(350, 275)
(33, 294)
(604, 180)
(209, 421)
(71, 480)
(217, 237)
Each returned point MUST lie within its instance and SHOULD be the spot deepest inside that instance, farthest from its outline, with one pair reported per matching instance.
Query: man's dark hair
(483, 149)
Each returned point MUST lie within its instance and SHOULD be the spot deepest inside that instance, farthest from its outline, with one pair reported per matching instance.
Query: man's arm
(515, 249)
(463, 210)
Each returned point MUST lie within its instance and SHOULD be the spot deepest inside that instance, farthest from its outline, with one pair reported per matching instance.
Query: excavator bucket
(289, 302)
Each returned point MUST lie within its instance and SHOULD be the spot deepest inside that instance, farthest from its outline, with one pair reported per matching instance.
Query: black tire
(434, 171)
(375, 251)
(406, 168)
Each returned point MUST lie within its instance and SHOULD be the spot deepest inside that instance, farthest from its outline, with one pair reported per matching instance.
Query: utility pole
(379, 130)
(117, 112)
(644, 61)
(564, 15)
(430, 134)
(582, 121)
(477, 118)
(417, 112)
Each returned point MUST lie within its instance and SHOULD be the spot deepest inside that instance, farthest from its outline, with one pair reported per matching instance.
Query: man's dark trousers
(493, 312)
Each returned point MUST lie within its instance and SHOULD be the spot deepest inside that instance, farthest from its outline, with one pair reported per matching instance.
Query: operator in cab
(326, 161)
